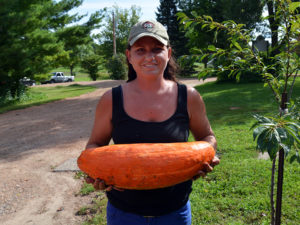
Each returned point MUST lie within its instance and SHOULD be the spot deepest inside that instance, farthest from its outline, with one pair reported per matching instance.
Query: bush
(245, 77)
(92, 63)
(117, 67)
(41, 78)
(187, 65)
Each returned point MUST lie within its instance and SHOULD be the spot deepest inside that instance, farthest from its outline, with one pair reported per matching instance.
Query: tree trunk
(272, 192)
(283, 107)
(71, 70)
(279, 187)
(274, 27)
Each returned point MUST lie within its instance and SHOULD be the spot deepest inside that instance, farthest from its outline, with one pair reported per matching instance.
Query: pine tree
(166, 15)
(28, 39)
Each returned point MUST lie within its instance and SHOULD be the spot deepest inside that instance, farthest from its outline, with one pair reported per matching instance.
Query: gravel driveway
(33, 142)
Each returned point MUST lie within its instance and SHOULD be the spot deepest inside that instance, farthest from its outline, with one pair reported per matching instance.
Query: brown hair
(169, 73)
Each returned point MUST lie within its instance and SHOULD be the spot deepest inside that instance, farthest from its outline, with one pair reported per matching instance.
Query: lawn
(237, 191)
(42, 95)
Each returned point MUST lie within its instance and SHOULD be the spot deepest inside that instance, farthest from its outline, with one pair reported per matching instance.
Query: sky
(148, 7)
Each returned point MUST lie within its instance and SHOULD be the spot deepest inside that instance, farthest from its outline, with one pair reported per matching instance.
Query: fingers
(118, 189)
(199, 174)
(100, 184)
(215, 161)
(89, 180)
(207, 168)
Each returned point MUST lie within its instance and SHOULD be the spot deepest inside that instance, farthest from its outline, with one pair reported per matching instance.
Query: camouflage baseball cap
(149, 28)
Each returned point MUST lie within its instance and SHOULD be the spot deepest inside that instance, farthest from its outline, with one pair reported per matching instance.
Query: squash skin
(147, 165)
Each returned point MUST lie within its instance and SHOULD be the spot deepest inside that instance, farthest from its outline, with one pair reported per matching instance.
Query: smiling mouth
(150, 65)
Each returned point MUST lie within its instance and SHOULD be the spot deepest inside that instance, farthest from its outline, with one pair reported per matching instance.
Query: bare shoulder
(106, 98)
(195, 103)
(105, 103)
(193, 96)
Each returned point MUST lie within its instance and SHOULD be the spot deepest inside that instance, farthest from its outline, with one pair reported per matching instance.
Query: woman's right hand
(100, 184)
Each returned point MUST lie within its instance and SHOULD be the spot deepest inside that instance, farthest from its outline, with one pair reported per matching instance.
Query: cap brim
(160, 39)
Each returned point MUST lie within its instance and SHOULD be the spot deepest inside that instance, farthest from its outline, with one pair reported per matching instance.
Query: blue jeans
(181, 216)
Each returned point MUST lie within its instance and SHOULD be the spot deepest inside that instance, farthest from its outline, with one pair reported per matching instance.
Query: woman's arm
(101, 133)
(200, 126)
(102, 128)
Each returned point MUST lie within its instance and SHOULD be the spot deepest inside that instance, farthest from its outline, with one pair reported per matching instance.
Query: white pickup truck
(59, 77)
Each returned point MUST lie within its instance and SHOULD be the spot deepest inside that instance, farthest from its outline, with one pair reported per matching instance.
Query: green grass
(237, 191)
(42, 95)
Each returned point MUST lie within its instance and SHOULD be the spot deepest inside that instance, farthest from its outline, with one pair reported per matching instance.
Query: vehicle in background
(27, 81)
(58, 77)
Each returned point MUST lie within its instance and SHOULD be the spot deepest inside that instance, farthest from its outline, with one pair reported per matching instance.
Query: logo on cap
(148, 25)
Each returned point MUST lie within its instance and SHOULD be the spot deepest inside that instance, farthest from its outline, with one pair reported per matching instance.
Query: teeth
(149, 64)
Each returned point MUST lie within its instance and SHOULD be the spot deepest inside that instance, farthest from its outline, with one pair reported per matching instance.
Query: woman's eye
(140, 50)
(157, 49)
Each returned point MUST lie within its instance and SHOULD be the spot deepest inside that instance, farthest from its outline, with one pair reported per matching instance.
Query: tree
(279, 134)
(76, 36)
(117, 67)
(246, 12)
(28, 43)
(124, 20)
(166, 15)
(92, 63)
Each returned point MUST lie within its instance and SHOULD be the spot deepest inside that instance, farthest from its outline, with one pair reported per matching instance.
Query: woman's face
(148, 56)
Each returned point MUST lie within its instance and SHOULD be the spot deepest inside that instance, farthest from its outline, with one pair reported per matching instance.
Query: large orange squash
(146, 166)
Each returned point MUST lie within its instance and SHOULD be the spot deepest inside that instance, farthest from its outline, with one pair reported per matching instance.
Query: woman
(151, 107)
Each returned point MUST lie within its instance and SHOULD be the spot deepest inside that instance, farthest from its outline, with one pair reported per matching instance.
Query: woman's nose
(150, 55)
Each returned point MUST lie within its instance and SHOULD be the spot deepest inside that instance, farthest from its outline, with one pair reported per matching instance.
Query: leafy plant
(272, 134)
(92, 63)
(281, 133)
(117, 67)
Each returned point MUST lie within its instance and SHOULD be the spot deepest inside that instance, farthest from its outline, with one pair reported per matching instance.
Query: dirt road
(33, 142)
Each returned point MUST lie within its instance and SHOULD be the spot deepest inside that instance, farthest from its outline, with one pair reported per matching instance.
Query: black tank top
(129, 130)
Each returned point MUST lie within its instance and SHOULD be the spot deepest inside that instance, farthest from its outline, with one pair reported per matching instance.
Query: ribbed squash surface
(146, 166)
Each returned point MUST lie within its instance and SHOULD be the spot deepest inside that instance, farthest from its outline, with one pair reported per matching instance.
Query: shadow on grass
(234, 104)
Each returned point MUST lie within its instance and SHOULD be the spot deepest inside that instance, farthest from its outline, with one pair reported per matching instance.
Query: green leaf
(187, 24)
(208, 18)
(282, 133)
(261, 141)
(276, 135)
(295, 25)
(258, 131)
(202, 74)
(263, 119)
(194, 13)
(212, 48)
(238, 75)
(295, 157)
(204, 25)
(293, 6)
(181, 15)
(294, 135)
(203, 57)
(237, 45)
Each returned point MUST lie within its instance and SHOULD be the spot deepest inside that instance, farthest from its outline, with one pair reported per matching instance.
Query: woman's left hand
(207, 168)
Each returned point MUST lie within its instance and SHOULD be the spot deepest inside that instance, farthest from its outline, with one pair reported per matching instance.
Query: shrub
(187, 65)
(117, 67)
(92, 63)
(245, 77)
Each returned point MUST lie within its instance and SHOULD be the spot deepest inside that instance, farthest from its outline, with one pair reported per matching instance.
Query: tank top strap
(182, 99)
(117, 97)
